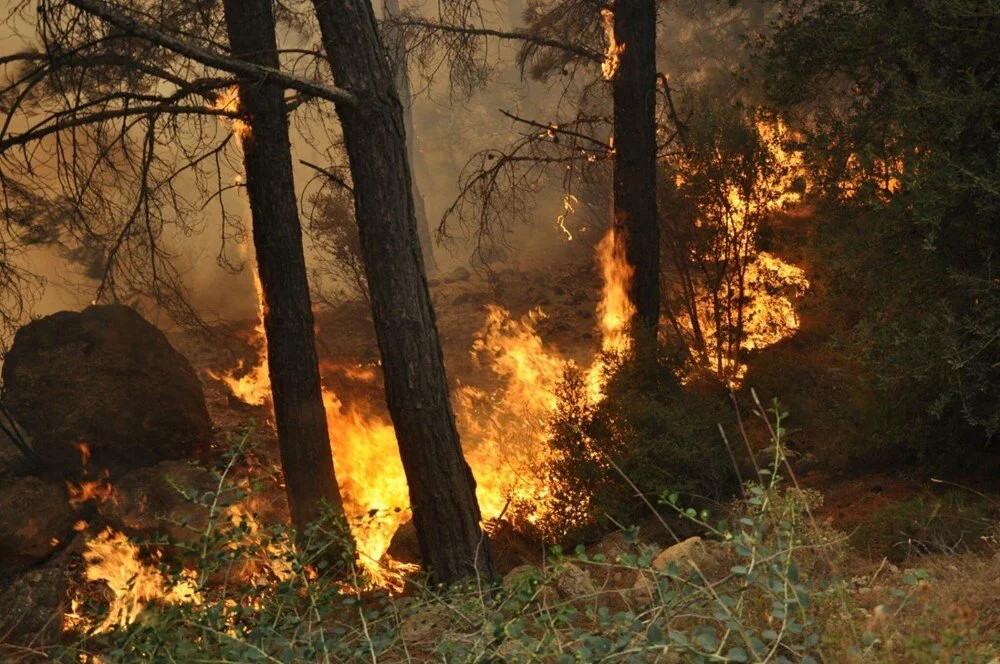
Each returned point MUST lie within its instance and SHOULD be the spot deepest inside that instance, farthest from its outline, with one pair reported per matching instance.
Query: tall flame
(133, 584)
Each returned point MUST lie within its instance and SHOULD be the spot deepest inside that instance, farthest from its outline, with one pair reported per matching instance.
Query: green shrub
(951, 523)
(649, 429)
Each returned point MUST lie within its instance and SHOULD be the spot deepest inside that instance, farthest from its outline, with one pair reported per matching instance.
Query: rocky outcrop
(705, 561)
(164, 503)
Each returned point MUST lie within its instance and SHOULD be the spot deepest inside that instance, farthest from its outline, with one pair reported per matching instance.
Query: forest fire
(443, 431)
(504, 432)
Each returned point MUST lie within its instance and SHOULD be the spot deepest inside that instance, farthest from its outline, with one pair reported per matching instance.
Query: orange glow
(84, 450)
(758, 288)
(886, 173)
(80, 493)
(251, 384)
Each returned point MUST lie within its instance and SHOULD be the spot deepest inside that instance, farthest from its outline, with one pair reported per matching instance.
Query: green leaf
(736, 655)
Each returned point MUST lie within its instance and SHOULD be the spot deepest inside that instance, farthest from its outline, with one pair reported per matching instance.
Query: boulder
(164, 501)
(36, 519)
(705, 561)
(527, 581)
(695, 556)
(426, 625)
(103, 388)
(32, 609)
(574, 583)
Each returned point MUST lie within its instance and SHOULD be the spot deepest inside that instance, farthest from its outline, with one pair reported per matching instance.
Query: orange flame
(113, 559)
(229, 101)
(614, 50)
(504, 433)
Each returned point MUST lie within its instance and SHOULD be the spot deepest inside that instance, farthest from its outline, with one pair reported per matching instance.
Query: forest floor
(894, 520)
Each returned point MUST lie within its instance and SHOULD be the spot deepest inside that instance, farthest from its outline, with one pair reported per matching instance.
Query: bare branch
(517, 35)
(210, 58)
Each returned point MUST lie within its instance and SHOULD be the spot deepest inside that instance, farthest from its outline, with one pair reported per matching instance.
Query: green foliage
(898, 107)
(948, 524)
(647, 433)
(758, 598)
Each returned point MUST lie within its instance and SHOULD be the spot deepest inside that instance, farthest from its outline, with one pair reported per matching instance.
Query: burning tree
(442, 488)
(616, 45)
(287, 311)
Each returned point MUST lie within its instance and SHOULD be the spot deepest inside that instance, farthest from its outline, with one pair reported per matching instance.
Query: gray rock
(167, 500)
(573, 582)
(106, 379)
(36, 519)
(704, 560)
(32, 609)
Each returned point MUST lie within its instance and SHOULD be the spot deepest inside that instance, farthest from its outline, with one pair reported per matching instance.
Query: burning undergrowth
(503, 406)
(502, 420)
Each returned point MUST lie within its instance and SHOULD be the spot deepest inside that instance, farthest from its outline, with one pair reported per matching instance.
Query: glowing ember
(82, 492)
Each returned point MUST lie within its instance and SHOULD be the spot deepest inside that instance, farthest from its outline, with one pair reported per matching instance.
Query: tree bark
(306, 458)
(396, 43)
(442, 489)
(635, 218)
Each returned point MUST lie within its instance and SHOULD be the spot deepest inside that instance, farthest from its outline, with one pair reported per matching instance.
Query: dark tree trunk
(306, 458)
(634, 92)
(396, 43)
(442, 488)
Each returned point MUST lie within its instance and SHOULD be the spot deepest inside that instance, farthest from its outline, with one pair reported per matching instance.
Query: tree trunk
(306, 458)
(396, 43)
(634, 92)
(442, 488)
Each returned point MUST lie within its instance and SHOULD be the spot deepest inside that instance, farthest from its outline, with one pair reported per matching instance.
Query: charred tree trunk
(306, 458)
(635, 219)
(442, 488)
(396, 43)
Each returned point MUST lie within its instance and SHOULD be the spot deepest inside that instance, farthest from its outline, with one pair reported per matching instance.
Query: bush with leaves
(612, 458)
(896, 103)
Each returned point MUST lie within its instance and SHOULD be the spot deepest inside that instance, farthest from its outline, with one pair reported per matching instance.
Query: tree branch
(517, 35)
(330, 175)
(209, 58)
(101, 116)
